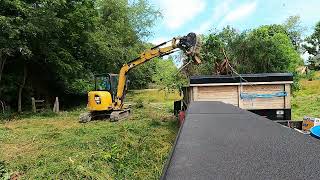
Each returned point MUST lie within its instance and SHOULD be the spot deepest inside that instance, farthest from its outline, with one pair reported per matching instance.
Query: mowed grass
(306, 102)
(59, 147)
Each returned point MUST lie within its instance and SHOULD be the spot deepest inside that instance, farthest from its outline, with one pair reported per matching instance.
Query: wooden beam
(244, 83)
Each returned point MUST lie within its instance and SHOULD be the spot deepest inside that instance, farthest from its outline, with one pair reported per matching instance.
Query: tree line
(268, 48)
(52, 48)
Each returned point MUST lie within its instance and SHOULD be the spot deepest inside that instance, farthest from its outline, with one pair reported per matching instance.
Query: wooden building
(265, 94)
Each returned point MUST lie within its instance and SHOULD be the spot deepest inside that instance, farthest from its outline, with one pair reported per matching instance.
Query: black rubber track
(220, 141)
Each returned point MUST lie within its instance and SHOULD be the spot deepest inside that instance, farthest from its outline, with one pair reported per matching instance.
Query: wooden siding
(231, 95)
(226, 94)
(263, 103)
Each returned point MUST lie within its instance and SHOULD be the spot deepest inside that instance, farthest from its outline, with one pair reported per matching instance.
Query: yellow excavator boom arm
(189, 44)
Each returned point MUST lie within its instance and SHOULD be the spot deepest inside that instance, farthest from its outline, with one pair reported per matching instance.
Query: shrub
(139, 103)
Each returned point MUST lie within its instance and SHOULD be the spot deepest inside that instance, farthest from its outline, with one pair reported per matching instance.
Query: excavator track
(118, 115)
(112, 116)
(85, 117)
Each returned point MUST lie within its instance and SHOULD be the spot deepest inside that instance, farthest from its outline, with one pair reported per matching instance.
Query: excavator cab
(107, 82)
(105, 91)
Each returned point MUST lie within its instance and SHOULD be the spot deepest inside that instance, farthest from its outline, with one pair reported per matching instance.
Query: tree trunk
(21, 88)
(2, 62)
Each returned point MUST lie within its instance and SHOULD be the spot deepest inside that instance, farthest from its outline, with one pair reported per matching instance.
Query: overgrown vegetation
(59, 147)
(53, 48)
(306, 101)
(266, 49)
(313, 47)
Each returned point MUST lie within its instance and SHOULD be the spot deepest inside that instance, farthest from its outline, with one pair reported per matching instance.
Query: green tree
(294, 30)
(52, 48)
(270, 50)
(265, 49)
(166, 74)
(313, 47)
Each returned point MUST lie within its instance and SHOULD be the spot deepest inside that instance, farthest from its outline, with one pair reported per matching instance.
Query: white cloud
(178, 12)
(159, 40)
(241, 12)
(204, 27)
(219, 11)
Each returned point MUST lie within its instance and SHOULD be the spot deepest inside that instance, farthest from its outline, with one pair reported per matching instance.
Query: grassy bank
(306, 102)
(58, 147)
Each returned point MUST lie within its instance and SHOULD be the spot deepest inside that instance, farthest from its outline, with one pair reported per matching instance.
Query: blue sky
(183, 16)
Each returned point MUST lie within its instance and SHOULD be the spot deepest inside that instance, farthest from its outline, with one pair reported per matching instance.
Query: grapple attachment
(191, 45)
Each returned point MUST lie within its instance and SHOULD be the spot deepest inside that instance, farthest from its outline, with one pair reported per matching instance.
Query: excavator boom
(189, 44)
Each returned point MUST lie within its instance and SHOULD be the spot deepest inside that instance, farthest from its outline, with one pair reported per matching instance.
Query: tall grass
(58, 147)
(306, 101)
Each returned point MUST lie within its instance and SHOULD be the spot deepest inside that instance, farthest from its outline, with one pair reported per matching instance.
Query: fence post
(3, 106)
(33, 102)
(56, 106)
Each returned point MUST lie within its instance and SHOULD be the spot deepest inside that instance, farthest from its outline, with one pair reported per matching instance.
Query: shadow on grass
(8, 116)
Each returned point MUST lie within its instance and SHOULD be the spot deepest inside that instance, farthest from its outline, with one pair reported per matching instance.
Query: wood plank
(195, 93)
(240, 104)
(267, 103)
(264, 103)
(226, 94)
(263, 88)
(231, 95)
(288, 98)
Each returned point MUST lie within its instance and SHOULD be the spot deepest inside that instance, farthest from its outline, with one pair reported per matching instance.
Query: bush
(311, 75)
(139, 103)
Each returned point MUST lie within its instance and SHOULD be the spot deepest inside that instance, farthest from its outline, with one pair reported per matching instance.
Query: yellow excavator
(107, 101)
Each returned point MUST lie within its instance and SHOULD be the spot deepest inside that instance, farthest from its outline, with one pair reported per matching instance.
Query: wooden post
(3, 106)
(287, 100)
(56, 106)
(33, 102)
(195, 93)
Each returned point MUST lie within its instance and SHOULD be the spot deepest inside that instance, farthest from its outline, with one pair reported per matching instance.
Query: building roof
(263, 77)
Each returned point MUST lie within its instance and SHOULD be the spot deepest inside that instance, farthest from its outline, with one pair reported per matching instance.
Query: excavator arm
(188, 44)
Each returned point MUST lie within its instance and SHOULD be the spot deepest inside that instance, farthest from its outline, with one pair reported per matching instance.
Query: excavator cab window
(102, 83)
(107, 82)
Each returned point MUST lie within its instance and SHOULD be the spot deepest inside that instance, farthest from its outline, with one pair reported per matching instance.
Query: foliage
(313, 48)
(4, 174)
(270, 50)
(166, 74)
(153, 96)
(264, 49)
(63, 43)
(61, 148)
(310, 75)
(295, 31)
